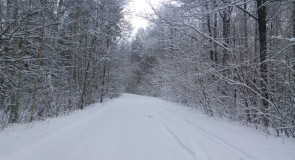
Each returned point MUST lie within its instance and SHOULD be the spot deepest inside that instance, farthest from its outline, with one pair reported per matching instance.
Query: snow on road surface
(140, 128)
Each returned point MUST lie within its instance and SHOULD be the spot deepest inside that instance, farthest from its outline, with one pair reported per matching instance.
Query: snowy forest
(229, 58)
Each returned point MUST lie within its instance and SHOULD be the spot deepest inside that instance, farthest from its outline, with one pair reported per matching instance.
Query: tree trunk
(41, 40)
(211, 52)
(215, 35)
(103, 81)
(226, 33)
(243, 57)
(13, 118)
(293, 35)
(293, 121)
(84, 86)
(263, 57)
(8, 2)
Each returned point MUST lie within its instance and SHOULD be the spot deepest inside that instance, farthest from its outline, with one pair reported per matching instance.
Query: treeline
(231, 58)
(58, 55)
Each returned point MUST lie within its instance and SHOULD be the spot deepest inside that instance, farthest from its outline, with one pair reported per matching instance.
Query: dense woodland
(229, 58)
(58, 55)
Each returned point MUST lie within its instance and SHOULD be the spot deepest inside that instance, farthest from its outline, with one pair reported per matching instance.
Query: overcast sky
(138, 7)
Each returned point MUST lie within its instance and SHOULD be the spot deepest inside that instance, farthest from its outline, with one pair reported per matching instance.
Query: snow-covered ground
(140, 128)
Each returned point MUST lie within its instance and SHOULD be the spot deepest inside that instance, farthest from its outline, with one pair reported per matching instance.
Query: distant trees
(57, 56)
(234, 59)
(141, 60)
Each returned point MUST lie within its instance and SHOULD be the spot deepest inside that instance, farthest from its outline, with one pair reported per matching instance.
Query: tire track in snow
(163, 125)
(202, 155)
(187, 147)
(215, 141)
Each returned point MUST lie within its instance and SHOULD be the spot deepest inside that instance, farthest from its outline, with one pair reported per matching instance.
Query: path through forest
(140, 128)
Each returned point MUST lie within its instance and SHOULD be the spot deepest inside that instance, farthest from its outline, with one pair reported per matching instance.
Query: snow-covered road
(140, 128)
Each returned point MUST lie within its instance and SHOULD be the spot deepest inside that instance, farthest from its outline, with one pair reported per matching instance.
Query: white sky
(138, 7)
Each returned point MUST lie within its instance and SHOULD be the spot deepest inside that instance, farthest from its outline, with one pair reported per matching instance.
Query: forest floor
(135, 127)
